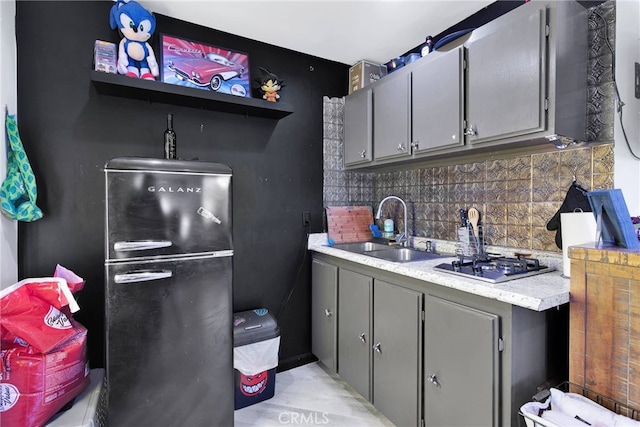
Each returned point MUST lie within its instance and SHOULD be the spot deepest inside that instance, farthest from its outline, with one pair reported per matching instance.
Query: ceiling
(342, 31)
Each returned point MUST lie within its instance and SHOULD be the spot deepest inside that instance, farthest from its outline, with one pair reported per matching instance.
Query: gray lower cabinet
(324, 304)
(461, 365)
(354, 330)
(421, 351)
(397, 352)
(379, 344)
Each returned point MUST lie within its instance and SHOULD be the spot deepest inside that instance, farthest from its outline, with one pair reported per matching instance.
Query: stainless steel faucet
(404, 238)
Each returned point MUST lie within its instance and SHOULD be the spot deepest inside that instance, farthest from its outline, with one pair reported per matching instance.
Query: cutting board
(349, 223)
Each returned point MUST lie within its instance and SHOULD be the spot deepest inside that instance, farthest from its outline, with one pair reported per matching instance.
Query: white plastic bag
(257, 357)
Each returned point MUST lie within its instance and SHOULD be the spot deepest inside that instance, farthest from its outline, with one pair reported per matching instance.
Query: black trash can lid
(253, 326)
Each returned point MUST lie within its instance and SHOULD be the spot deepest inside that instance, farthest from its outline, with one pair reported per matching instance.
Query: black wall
(69, 131)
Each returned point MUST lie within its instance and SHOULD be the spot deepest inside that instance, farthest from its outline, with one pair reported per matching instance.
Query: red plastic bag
(35, 386)
(44, 351)
(74, 282)
(32, 313)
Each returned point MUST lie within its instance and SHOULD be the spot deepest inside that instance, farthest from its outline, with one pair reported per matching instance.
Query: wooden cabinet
(461, 364)
(358, 128)
(603, 327)
(324, 304)
(379, 338)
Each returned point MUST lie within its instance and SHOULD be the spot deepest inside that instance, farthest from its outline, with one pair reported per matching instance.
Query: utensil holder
(468, 243)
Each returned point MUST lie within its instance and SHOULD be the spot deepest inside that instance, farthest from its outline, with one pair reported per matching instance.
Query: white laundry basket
(563, 409)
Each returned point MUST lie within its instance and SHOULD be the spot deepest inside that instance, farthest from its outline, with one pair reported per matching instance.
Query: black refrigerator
(168, 272)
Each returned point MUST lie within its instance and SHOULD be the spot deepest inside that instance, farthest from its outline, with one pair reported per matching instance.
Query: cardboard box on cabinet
(363, 73)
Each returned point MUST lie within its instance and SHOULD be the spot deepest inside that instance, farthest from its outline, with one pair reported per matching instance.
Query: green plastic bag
(18, 192)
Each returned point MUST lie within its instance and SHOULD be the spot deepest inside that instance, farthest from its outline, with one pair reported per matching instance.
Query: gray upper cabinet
(437, 102)
(392, 118)
(324, 304)
(354, 330)
(527, 76)
(519, 80)
(358, 128)
(461, 364)
(507, 86)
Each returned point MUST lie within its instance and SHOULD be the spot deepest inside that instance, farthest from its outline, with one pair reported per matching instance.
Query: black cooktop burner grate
(495, 268)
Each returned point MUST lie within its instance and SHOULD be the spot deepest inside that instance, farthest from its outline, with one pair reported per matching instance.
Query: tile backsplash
(517, 194)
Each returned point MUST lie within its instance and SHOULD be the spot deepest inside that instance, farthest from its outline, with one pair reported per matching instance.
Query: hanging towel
(18, 192)
(576, 200)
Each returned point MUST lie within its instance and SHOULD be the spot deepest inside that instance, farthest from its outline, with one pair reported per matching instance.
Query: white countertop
(539, 292)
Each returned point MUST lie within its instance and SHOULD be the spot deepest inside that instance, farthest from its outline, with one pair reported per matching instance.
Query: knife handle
(463, 217)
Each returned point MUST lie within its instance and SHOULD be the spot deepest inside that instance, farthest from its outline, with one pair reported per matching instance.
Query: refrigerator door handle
(142, 276)
(141, 245)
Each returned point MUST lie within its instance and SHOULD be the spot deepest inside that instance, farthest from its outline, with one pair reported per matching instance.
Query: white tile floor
(309, 395)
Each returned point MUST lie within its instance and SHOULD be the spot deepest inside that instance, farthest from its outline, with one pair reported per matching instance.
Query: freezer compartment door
(169, 342)
(152, 213)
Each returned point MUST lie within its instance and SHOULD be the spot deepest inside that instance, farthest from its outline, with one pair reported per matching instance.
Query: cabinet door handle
(363, 338)
(327, 312)
(415, 144)
(363, 154)
(401, 147)
(433, 380)
(470, 132)
(376, 347)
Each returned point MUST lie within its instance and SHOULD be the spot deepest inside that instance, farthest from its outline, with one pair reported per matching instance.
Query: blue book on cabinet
(613, 222)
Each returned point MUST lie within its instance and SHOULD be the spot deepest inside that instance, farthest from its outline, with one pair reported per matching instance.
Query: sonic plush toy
(135, 55)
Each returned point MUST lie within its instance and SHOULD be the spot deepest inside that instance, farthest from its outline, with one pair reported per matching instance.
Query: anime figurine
(270, 84)
(136, 24)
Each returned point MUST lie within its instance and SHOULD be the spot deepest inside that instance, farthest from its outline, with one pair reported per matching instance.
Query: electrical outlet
(306, 219)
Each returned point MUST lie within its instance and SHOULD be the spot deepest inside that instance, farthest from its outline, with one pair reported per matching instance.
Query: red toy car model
(210, 70)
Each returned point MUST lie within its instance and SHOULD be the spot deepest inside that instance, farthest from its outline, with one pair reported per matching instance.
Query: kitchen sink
(403, 255)
(361, 247)
(386, 252)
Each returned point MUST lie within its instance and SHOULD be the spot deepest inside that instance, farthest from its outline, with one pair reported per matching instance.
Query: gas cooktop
(494, 269)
